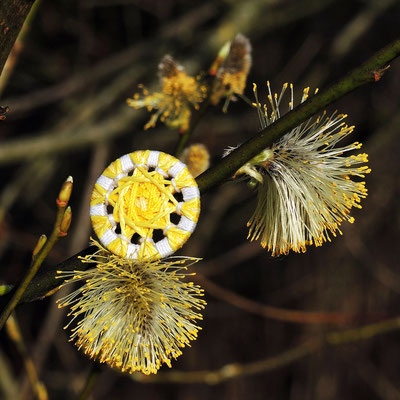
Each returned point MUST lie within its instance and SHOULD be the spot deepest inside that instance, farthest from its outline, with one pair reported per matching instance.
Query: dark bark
(12, 17)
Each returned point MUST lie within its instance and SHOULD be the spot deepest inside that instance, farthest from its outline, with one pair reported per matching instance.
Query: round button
(145, 205)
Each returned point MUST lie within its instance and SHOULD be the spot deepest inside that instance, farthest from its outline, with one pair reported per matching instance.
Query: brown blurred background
(68, 116)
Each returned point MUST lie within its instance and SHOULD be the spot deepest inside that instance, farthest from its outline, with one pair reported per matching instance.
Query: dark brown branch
(283, 314)
(370, 71)
(231, 371)
(12, 16)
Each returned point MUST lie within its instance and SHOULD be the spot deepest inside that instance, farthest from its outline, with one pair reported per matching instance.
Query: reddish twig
(282, 314)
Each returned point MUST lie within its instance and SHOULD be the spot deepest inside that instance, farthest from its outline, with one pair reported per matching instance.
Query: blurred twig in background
(14, 332)
(231, 371)
(67, 109)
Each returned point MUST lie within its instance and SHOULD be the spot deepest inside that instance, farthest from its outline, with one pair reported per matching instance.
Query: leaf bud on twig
(65, 192)
(39, 245)
(65, 222)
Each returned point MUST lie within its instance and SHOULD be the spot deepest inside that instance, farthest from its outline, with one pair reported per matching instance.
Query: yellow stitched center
(142, 203)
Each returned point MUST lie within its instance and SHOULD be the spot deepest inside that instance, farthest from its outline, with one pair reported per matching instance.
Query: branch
(51, 144)
(42, 249)
(15, 53)
(370, 71)
(12, 16)
(283, 314)
(287, 357)
(15, 334)
(196, 118)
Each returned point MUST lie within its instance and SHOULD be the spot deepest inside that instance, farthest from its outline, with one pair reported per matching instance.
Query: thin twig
(362, 22)
(114, 63)
(90, 382)
(14, 332)
(375, 378)
(283, 359)
(35, 265)
(283, 314)
(110, 127)
(51, 322)
(368, 72)
(195, 120)
(229, 259)
(8, 380)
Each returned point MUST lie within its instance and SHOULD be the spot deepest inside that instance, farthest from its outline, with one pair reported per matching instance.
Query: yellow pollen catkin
(130, 328)
(308, 186)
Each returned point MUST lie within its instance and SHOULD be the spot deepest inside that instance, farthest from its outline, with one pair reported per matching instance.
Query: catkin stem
(33, 269)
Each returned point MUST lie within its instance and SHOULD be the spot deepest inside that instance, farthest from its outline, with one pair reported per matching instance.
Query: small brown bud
(379, 73)
(39, 245)
(222, 54)
(65, 222)
(65, 192)
(3, 112)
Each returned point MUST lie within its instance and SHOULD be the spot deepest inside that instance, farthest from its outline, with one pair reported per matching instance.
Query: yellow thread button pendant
(145, 205)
